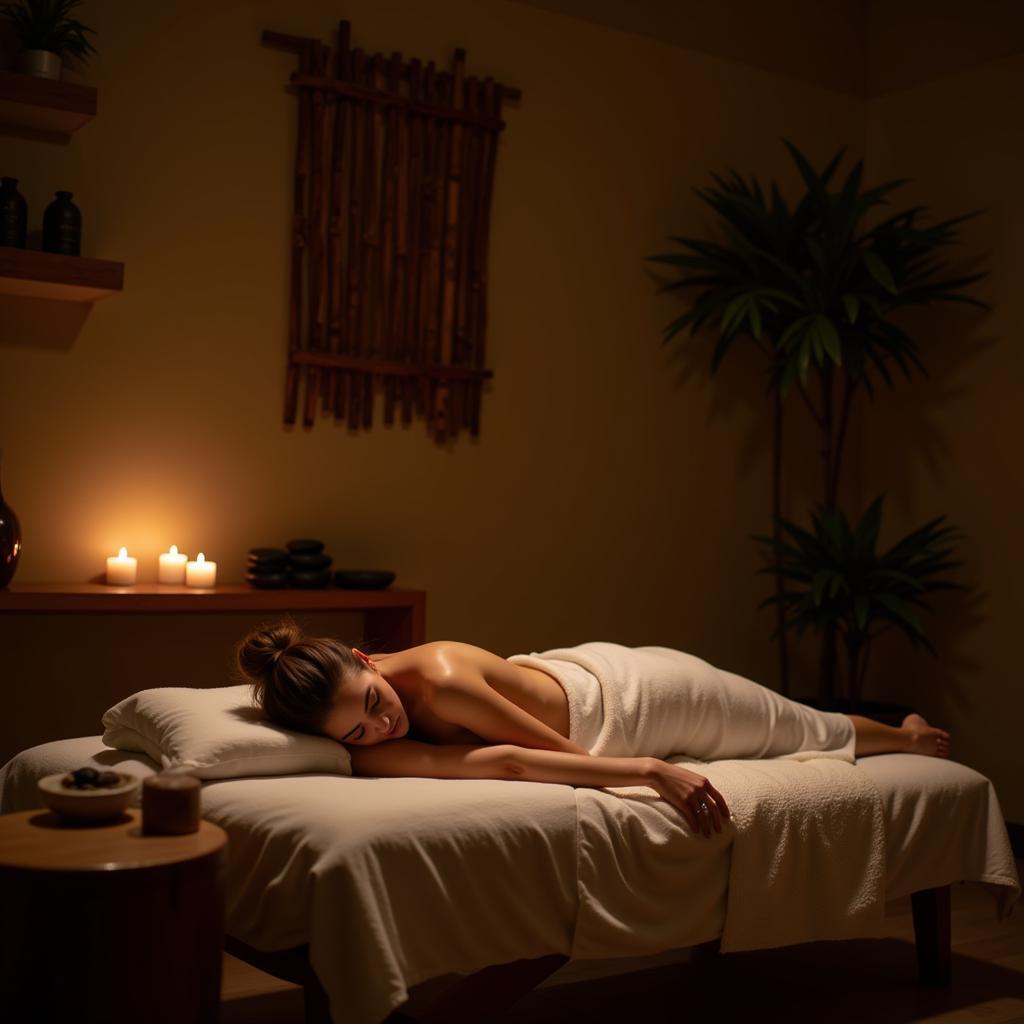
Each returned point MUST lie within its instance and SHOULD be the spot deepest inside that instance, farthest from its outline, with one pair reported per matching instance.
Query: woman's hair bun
(259, 652)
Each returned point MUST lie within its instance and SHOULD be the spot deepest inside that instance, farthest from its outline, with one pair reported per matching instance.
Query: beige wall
(958, 434)
(613, 489)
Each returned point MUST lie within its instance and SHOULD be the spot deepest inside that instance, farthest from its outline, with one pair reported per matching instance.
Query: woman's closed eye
(371, 705)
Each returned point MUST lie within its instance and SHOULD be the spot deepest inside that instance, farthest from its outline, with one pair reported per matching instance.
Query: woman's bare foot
(924, 738)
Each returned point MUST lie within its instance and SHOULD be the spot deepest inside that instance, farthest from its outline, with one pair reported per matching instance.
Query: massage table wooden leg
(932, 934)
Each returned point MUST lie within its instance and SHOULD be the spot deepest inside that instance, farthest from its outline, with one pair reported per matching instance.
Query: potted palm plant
(814, 288)
(47, 33)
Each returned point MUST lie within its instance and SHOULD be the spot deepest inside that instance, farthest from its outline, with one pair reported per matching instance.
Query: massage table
(359, 889)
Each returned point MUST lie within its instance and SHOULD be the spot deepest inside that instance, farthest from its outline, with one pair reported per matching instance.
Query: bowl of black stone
(88, 794)
(363, 579)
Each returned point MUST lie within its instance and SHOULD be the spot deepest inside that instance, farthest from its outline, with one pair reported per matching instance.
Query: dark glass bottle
(10, 541)
(62, 226)
(13, 214)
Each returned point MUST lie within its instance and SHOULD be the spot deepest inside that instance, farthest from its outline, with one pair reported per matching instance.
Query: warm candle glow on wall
(172, 566)
(121, 571)
(201, 573)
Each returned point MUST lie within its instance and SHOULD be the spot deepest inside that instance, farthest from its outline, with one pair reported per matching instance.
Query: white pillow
(216, 734)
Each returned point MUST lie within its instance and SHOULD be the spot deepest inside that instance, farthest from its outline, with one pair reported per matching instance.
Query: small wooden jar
(170, 804)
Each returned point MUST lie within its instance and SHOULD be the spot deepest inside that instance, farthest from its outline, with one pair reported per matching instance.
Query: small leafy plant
(48, 25)
(838, 578)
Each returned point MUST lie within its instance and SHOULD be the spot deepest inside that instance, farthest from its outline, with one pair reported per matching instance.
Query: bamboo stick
(354, 252)
(292, 379)
(433, 314)
(443, 419)
(316, 237)
(492, 107)
(335, 397)
(408, 207)
(464, 341)
(389, 216)
(426, 329)
(371, 236)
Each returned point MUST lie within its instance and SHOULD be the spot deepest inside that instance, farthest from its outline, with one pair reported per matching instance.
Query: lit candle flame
(200, 557)
(174, 549)
(122, 554)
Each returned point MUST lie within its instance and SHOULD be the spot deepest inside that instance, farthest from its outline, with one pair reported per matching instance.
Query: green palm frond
(836, 574)
(812, 279)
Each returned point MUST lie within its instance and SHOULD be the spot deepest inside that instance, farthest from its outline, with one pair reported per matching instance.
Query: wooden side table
(102, 924)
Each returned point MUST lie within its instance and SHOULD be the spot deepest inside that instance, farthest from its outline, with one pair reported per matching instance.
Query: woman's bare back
(535, 692)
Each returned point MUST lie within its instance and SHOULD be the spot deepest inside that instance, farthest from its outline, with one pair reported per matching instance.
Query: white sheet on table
(356, 877)
(393, 881)
(754, 874)
(943, 823)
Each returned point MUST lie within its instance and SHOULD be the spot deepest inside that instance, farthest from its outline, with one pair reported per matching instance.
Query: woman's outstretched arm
(686, 790)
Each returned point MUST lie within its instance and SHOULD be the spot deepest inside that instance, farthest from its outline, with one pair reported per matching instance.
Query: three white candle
(121, 571)
(200, 573)
(172, 566)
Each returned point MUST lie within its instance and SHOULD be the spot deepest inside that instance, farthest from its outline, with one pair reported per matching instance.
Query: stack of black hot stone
(301, 564)
(267, 568)
(308, 567)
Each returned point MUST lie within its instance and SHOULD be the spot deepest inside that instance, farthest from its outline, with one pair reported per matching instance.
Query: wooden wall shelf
(41, 109)
(48, 275)
(394, 617)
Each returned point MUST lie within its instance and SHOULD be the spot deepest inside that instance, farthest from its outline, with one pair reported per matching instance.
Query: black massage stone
(303, 580)
(277, 565)
(266, 554)
(305, 547)
(310, 563)
(267, 580)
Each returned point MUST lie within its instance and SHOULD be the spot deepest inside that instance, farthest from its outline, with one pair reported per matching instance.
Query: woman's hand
(701, 804)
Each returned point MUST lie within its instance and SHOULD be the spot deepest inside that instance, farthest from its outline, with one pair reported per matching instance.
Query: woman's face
(367, 711)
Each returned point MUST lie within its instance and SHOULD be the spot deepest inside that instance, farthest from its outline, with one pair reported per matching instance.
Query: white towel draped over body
(655, 702)
(807, 831)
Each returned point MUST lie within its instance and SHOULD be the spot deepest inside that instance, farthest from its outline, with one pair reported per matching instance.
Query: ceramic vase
(62, 226)
(13, 214)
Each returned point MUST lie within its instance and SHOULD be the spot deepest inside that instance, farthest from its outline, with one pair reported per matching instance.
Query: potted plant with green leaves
(838, 577)
(47, 33)
(815, 288)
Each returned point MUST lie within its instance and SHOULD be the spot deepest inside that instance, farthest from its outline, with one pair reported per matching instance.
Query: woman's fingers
(719, 800)
(702, 812)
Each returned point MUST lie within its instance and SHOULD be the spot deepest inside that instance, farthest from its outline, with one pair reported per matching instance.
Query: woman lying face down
(452, 710)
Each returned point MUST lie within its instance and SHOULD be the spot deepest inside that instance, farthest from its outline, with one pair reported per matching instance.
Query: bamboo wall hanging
(394, 170)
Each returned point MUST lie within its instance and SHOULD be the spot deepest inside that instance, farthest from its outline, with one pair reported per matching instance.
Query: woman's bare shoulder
(442, 657)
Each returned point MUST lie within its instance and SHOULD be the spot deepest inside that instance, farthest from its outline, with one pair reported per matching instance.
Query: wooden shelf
(393, 616)
(160, 597)
(48, 275)
(42, 109)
